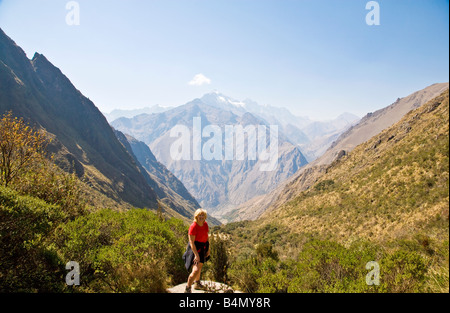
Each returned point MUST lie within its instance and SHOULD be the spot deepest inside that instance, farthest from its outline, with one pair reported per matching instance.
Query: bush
(324, 185)
(132, 251)
(327, 266)
(265, 250)
(245, 275)
(28, 262)
(219, 263)
(51, 184)
(25, 168)
(273, 277)
(403, 272)
(20, 148)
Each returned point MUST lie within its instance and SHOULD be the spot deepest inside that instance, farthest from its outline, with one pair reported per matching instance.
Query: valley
(234, 135)
(294, 205)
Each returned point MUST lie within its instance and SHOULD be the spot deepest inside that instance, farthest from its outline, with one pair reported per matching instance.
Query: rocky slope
(393, 186)
(83, 141)
(218, 184)
(369, 126)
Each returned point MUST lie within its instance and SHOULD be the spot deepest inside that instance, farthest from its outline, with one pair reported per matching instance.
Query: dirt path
(212, 287)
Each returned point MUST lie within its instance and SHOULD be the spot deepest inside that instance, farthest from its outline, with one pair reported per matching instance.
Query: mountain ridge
(217, 184)
(306, 176)
(83, 141)
(313, 137)
(404, 167)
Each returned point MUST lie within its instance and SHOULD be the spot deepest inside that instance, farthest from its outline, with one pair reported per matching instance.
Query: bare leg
(195, 275)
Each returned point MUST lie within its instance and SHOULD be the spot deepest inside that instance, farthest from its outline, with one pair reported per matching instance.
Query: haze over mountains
(313, 137)
(115, 114)
(222, 185)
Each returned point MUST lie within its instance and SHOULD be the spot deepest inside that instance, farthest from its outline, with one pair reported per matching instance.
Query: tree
(265, 250)
(20, 147)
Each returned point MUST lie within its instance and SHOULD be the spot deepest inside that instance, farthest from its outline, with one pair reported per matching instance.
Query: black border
(167, 303)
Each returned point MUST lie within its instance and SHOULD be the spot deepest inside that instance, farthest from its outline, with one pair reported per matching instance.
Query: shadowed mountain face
(221, 183)
(83, 141)
(177, 200)
(38, 91)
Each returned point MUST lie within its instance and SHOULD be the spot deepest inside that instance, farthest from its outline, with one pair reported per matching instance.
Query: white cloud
(199, 80)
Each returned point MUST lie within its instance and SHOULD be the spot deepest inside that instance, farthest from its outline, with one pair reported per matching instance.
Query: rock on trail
(211, 287)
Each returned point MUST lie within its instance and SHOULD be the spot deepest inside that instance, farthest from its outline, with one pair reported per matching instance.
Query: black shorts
(202, 248)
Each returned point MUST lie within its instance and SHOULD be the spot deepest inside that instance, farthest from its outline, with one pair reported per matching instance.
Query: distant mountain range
(83, 141)
(115, 114)
(218, 185)
(221, 186)
(313, 137)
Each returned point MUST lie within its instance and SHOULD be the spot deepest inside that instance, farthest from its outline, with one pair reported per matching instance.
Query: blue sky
(317, 58)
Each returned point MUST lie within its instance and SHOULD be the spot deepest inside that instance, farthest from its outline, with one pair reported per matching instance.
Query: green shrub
(28, 262)
(265, 250)
(326, 266)
(48, 182)
(245, 275)
(324, 185)
(403, 272)
(219, 263)
(131, 251)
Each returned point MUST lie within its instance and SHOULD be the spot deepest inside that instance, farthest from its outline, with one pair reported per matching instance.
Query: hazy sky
(316, 58)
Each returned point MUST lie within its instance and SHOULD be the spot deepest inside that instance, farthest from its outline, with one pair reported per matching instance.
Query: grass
(391, 191)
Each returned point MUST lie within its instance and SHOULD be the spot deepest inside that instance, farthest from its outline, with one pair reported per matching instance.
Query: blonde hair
(198, 212)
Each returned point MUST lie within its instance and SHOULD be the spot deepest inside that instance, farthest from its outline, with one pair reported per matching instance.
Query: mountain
(374, 123)
(371, 125)
(115, 114)
(387, 200)
(177, 201)
(323, 133)
(222, 183)
(313, 137)
(393, 186)
(83, 141)
(271, 114)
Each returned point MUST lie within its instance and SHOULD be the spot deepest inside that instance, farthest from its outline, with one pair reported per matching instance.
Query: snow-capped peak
(222, 101)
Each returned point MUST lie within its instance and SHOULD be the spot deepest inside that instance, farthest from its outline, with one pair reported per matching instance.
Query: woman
(199, 242)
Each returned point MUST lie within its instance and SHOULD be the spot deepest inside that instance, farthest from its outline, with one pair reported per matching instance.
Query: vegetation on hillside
(385, 206)
(20, 148)
(45, 222)
(387, 201)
